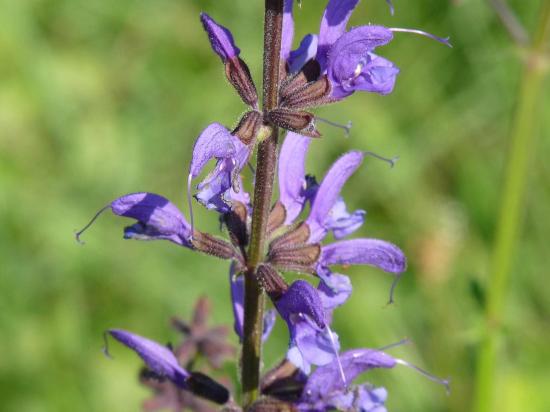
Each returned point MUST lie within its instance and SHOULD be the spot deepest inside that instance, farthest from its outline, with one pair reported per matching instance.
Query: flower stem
(263, 191)
(522, 142)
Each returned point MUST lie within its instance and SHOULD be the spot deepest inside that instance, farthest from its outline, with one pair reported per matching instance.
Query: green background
(102, 98)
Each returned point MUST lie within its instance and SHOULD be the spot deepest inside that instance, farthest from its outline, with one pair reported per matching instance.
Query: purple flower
(221, 186)
(292, 181)
(352, 65)
(311, 340)
(346, 58)
(164, 364)
(328, 194)
(158, 358)
(157, 218)
(328, 213)
(326, 388)
(220, 37)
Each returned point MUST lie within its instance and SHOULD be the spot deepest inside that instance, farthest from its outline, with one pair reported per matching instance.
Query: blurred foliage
(102, 98)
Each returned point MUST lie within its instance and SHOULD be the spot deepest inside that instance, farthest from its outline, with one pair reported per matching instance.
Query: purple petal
(221, 38)
(341, 223)
(157, 218)
(352, 65)
(329, 192)
(377, 75)
(218, 188)
(237, 300)
(288, 30)
(370, 399)
(326, 380)
(311, 345)
(305, 52)
(301, 299)
(292, 174)
(158, 358)
(333, 26)
(374, 252)
(334, 290)
(214, 142)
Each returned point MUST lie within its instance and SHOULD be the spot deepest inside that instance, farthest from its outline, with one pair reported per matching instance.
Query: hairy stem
(263, 191)
(522, 141)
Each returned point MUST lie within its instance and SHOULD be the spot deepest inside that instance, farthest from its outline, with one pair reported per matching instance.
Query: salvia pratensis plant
(267, 238)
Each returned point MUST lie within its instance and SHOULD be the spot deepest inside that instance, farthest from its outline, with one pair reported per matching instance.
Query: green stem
(522, 141)
(263, 191)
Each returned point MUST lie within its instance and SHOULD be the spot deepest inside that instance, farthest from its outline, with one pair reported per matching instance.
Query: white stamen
(442, 40)
(105, 348)
(90, 223)
(433, 378)
(393, 285)
(392, 161)
(340, 368)
(392, 9)
(347, 127)
(405, 341)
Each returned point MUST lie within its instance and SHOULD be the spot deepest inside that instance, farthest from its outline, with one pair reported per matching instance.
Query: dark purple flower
(221, 185)
(220, 37)
(158, 358)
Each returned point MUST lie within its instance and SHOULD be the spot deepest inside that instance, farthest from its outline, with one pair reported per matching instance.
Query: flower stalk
(522, 142)
(263, 191)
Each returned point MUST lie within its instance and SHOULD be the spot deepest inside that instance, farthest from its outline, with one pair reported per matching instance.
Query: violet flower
(328, 213)
(221, 186)
(311, 340)
(157, 218)
(326, 390)
(164, 364)
(158, 358)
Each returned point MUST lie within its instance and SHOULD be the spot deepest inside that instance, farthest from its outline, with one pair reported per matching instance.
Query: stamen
(346, 127)
(433, 378)
(340, 368)
(392, 289)
(392, 161)
(405, 341)
(390, 4)
(190, 205)
(90, 223)
(442, 40)
(105, 348)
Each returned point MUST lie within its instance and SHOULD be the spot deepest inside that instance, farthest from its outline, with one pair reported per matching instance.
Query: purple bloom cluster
(325, 68)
